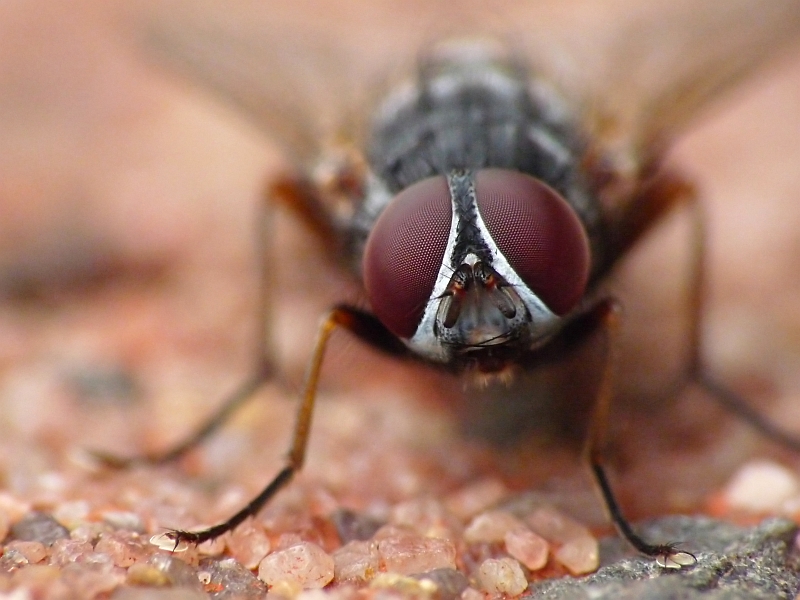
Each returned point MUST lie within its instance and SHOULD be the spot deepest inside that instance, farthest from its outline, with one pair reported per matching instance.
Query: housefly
(481, 175)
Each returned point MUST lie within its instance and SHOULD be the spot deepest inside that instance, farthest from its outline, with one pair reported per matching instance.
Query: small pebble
(501, 576)
(90, 581)
(122, 519)
(472, 594)
(13, 508)
(98, 559)
(176, 572)
(425, 516)
(147, 575)
(249, 544)
(479, 496)
(12, 560)
(491, 526)
(39, 527)
(761, 486)
(231, 579)
(579, 555)
(449, 582)
(71, 514)
(212, 547)
(124, 548)
(287, 540)
(354, 526)
(408, 554)
(304, 565)
(66, 551)
(555, 526)
(89, 532)
(33, 552)
(404, 585)
(356, 561)
(284, 589)
(527, 547)
(34, 578)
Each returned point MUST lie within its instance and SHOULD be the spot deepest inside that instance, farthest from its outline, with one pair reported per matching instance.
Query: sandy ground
(127, 289)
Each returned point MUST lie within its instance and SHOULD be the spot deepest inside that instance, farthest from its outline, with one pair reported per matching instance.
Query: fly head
(476, 268)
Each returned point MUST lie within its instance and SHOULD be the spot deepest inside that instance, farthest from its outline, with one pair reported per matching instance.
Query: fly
(484, 199)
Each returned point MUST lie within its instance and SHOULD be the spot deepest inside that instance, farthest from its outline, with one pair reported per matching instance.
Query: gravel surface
(127, 313)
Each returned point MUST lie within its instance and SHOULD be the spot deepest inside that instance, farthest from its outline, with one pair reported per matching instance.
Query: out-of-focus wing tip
(276, 77)
(640, 70)
(668, 66)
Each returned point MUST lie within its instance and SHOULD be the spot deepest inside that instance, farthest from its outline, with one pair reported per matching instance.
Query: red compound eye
(539, 234)
(404, 253)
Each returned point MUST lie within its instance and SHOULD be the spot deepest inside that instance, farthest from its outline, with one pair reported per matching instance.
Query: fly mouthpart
(478, 309)
(498, 340)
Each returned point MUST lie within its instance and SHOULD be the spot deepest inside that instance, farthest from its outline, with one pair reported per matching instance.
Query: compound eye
(404, 253)
(539, 234)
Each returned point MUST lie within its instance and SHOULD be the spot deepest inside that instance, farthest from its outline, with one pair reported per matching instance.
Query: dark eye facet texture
(539, 234)
(404, 253)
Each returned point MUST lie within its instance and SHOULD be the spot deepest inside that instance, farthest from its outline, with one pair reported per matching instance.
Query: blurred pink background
(126, 209)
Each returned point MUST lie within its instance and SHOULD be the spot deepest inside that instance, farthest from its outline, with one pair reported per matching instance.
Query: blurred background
(128, 281)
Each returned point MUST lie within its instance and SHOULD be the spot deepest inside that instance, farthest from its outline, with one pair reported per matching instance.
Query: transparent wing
(647, 69)
(304, 71)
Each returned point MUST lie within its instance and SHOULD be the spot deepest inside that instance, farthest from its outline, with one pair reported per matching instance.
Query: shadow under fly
(484, 199)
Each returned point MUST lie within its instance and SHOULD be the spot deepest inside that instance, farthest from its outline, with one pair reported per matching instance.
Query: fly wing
(647, 69)
(265, 62)
(305, 71)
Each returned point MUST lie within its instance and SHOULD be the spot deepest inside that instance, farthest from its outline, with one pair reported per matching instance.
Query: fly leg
(604, 315)
(364, 326)
(665, 193)
(697, 372)
(661, 193)
(299, 196)
(231, 404)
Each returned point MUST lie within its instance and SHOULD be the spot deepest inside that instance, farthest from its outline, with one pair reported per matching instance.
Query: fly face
(483, 200)
(478, 258)
(481, 302)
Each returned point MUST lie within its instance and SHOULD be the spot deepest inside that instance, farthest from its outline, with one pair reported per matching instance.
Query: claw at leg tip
(170, 541)
(676, 560)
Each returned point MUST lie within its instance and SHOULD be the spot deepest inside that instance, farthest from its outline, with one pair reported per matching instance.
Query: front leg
(603, 317)
(364, 326)
(606, 316)
(302, 198)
